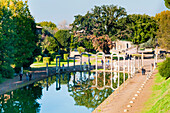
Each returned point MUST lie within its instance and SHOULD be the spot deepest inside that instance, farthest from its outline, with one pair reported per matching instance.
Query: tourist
(20, 75)
(27, 76)
(30, 76)
(143, 71)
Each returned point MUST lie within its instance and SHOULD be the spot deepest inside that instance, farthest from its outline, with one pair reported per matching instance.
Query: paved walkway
(117, 102)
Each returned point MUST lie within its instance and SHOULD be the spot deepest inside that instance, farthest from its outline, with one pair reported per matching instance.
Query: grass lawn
(53, 63)
(160, 98)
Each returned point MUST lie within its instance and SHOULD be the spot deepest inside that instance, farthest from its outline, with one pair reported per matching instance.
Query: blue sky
(59, 10)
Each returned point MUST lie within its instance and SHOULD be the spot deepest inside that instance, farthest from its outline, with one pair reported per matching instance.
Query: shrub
(46, 60)
(38, 58)
(0, 78)
(65, 56)
(164, 69)
(7, 71)
(81, 49)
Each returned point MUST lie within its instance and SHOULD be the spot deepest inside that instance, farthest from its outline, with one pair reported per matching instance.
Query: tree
(163, 20)
(167, 3)
(102, 43)
(63, 37)
(47, 24)
(8, 39)
(137, 28)
(100, 21)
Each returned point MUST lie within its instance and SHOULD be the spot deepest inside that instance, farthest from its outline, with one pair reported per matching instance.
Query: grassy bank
(160, 98)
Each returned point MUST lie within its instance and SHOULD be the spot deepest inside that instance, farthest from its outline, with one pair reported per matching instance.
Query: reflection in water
(81, 87)
(21, 100)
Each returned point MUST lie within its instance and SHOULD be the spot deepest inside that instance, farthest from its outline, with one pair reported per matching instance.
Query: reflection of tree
(91, 97)
(22, 100)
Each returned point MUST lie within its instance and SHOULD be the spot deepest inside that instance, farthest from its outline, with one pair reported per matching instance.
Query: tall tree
(26, 31)
(137, 28)
(8, 39)
(63, 37)
(100, 21)
(163, 19)
(167, 3)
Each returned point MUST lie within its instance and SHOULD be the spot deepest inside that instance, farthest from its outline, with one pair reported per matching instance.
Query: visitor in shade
(143, 71)
(20, 75)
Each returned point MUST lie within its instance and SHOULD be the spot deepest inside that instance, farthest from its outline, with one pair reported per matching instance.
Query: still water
(65, 93)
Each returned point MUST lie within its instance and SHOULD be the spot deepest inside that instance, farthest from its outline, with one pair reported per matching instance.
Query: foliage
(8, 38)
(23, 100)
(80, 49)
(0, 78)
(63, 37)
(137, 28)
(167, 3)
(38, 58)
(164, 69)
(47, 24)
(163, 19)
(65, 56)
(102, 43)
(99, 21)
(46, 60)
(149, 44)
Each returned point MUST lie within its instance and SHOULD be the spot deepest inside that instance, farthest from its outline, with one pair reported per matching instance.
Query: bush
(65, 56)
(46, 60)
(81, 49)
(164, 69)
(0, 78)
(38, 58)
(7, 71)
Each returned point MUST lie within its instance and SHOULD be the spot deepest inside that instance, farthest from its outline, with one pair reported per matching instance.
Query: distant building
(120, 45)
(39, 30)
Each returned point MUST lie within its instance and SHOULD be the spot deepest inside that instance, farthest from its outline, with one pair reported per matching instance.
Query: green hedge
(164, 69)
(46, 60)
(80, 49)
(65, 56)
(0, 78)
(38, 58)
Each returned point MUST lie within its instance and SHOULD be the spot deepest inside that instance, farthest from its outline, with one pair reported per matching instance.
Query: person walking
(27, 77)
(20, 76)
(30, 76)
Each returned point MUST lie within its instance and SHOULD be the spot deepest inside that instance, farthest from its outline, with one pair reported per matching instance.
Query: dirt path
(117, 103)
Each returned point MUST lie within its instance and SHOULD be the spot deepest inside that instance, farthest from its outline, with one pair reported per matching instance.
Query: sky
(60, 10)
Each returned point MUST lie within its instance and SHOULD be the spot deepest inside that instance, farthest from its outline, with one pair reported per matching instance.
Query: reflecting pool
(64, 93)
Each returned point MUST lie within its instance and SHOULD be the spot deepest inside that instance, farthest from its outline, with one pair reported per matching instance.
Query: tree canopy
(163, 19)
(17, 36)
(100, 21)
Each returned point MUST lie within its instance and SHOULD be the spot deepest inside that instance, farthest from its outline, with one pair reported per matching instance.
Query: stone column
(124, 69)
(96, 62)
(81, 62)
(138, 63)
(128, 68)
(47, 69)
(118, 72)
(56, 64)
(131, 67)
(134, 65)
(63, 67)
(59, 62)
(68, 62)
(74, 64)
(89, 62)
(142, 59)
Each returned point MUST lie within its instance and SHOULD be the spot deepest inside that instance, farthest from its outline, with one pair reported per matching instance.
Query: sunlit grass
(160, 98)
